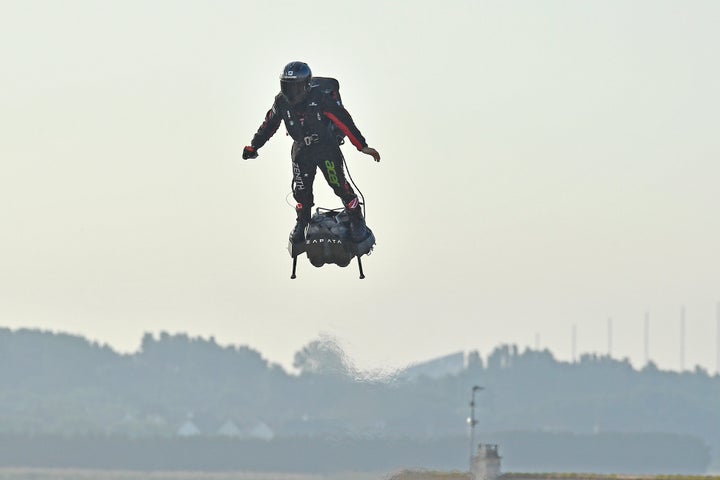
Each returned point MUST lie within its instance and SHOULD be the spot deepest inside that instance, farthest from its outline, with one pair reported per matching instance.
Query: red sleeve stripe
(345, 130)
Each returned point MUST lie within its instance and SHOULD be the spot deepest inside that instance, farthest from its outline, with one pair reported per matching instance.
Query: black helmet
(295, 81)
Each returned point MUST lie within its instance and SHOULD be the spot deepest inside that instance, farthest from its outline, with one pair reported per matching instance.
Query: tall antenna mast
(717, 347)
(682, 338)
(647, 337)
(574, 343)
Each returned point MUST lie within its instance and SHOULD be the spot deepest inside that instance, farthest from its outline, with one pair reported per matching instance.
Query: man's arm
(266, 130)
(342, 119)
(336, 112)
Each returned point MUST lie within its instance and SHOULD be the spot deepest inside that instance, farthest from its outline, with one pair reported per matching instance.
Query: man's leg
(332, 168)
(303, 177)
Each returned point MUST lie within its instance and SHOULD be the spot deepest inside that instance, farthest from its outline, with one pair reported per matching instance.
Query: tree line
(60, 384)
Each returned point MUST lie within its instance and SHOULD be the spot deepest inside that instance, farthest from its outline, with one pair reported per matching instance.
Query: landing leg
(362, 275)
(294, 267)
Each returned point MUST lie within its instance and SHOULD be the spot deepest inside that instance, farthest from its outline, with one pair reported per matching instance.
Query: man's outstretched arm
(266, 130)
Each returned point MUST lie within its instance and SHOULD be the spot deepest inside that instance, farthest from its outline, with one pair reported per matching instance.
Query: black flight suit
(316, 125)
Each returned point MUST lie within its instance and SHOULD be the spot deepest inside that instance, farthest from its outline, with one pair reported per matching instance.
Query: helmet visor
(293, 91)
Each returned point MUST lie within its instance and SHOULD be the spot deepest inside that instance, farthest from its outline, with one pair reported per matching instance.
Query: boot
(298, 232)
(358, 229)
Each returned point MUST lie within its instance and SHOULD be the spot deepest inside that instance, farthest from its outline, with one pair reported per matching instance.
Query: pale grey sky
(545, 164)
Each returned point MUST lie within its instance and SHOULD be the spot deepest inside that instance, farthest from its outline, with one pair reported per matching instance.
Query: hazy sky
(545, 164)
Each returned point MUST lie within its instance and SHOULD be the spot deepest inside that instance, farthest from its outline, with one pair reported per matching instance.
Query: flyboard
(328, 240)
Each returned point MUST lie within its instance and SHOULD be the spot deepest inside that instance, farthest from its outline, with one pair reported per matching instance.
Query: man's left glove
(249, 152)
(372, 152)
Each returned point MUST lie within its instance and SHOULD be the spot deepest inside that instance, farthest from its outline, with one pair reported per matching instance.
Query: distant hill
(59, 384)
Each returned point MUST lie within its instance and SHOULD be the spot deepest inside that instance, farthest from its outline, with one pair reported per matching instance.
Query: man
(316, 120)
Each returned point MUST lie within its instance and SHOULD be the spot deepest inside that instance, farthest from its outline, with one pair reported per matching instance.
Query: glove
(371, 151)
(249, 152)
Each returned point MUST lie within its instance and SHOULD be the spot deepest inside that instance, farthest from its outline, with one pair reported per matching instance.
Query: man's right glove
(249, 152)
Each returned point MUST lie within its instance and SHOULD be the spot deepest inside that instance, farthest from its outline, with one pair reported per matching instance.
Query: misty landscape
(187, 403)
(542, 300)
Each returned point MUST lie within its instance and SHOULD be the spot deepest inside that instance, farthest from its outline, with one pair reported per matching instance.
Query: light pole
(472, 422)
